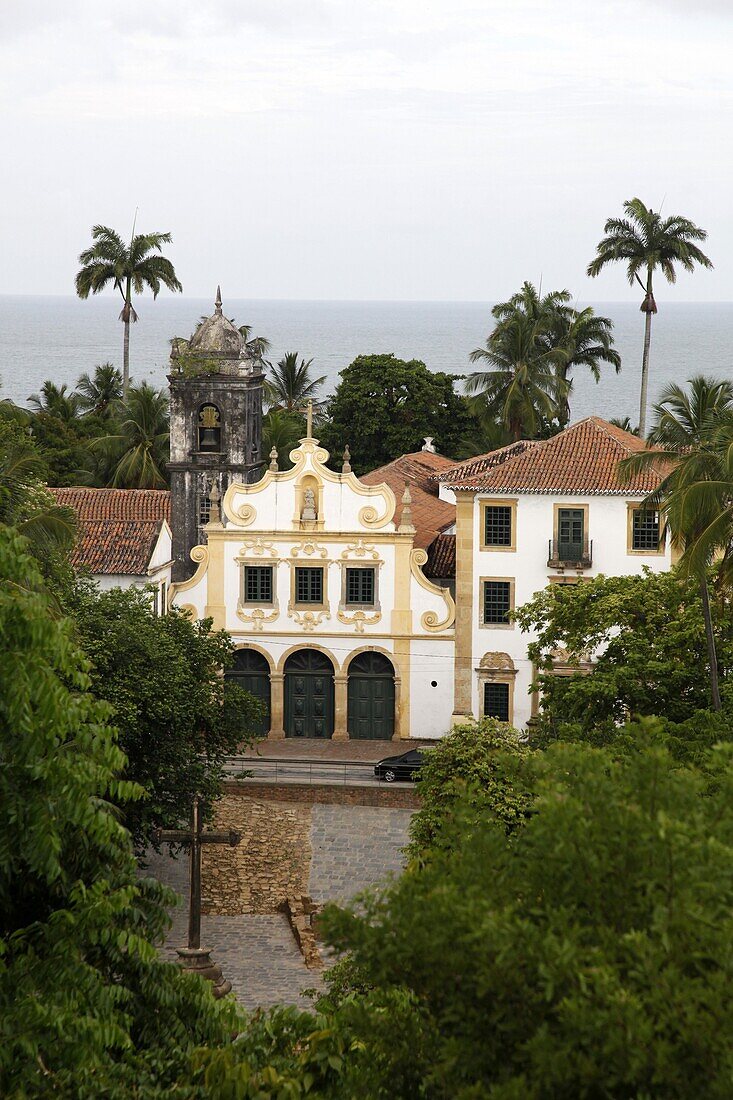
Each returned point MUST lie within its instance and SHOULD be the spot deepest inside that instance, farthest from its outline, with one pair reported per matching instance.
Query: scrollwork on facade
(360, 549)
(257, 548)
(431, 620)
(308, 620)
(359, 619)
(257, 617)
(245, 514)
(309, 548)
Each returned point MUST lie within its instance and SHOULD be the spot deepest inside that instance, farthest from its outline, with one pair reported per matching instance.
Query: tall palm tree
(137, 452)
(99, 394)
(257, 346)
(580, 337)
(645, 242)
(522, 385)
(282, 430)
(55, 400)
(693, 437)
(127, 268)
(291, 386)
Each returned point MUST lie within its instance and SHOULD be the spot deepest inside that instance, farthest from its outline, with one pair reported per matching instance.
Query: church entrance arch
(251, 672)
(309, 694)
(371, 697)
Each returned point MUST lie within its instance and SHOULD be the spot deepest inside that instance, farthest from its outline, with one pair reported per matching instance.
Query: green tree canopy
(177, 718)
(87, 1008)
(646, 635)
(384, 407)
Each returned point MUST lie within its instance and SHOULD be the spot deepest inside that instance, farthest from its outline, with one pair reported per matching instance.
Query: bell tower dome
(215, 426)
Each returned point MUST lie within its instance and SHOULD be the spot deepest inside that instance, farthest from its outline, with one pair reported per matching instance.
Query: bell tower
(216, 426)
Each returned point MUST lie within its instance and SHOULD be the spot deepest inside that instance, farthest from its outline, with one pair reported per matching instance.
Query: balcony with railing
(569, 554)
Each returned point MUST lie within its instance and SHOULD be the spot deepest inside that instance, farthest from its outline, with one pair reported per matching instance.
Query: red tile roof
(472, 467)
(118, 528)
(429, 514)
(582, 459)
(441, 557)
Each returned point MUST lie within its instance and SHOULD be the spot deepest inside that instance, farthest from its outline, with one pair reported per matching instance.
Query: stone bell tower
(216, 426)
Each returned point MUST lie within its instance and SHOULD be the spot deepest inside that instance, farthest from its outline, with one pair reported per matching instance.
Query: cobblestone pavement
(306, 748)
(258, 954)
(354, 847)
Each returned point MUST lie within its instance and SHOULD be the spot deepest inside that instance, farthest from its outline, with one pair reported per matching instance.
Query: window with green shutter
(497, 602)
(360, 587)
(496, 701)
(497, 525)
(308, 584)
(258, 584)
(645, 529)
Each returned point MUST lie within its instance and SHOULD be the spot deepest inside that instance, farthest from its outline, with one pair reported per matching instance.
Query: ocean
(61, 337)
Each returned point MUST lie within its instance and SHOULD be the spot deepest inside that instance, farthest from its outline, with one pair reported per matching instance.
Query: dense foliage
(467, 769)
(646, 634)
(384, 407)
(87, 1009)
(177, 717)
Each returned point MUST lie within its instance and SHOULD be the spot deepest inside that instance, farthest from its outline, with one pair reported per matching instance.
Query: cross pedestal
(194, 957)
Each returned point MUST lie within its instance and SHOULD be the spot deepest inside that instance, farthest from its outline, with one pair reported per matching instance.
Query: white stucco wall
(527, 565)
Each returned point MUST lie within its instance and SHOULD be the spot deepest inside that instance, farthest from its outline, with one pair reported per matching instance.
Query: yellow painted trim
(638, 506)
(359, 619)
(575, 507)
(307, 645)
(258, 649)
(199, 554)
(309, 449)
(430, 620)
(500, 503)
(463, 672)
(343, 636)
(372, 649)
(511, 581)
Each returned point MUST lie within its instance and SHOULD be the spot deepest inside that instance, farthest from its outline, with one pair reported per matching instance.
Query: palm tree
(523, 386)
(99, 394)
(24, 502)
(624, 422)
(138, 451)
(127, 268)
(257, 346)
(644, 242)
(281, 430)
(55, 400)
(693, 437)
(580, 337)
(290, 386)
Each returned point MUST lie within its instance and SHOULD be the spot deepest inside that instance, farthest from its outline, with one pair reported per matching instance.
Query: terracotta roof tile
(441, 557)
(582, 459)
(472, 467)
(118, 528)
(429, 514)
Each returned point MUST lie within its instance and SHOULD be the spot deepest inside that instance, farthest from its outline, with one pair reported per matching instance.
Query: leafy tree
(467, 768)
(55, 400)
(694, 437)
(137, 448)
(109, 261)
(646, 635)
(87, 1008)
(384, 407)
(24, 502)
(523, 385)
(100, 394)
(586, 954)
(646, 242)
(177, 717)
(291, 385)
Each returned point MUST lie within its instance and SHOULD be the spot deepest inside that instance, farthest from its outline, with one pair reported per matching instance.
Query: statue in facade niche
(308, 515)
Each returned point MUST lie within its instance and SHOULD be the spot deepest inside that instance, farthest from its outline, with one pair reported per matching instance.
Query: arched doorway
(371, 697)
(308, 694)
(251, 672)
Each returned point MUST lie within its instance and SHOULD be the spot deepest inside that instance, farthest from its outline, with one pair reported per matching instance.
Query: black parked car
(404, 767)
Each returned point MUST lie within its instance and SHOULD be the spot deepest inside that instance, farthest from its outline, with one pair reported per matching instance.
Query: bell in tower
(216, 425)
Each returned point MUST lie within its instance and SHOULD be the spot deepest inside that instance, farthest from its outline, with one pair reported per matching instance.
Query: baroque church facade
(314, 573)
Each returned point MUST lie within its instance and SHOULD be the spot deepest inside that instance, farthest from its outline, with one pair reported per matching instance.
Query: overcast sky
(418, 149)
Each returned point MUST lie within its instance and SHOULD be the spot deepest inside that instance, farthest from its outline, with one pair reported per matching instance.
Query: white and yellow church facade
(316, 577)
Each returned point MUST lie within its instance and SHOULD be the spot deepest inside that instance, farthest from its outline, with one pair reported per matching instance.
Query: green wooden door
(308, 694)
(251, 672)
(371, 698)
(570, 534)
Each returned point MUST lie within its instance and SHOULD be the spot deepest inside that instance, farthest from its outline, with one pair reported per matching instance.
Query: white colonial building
(533, 514)
(317, 578)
